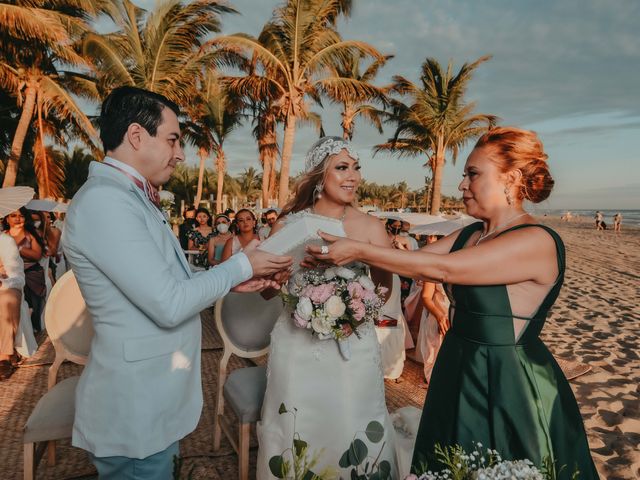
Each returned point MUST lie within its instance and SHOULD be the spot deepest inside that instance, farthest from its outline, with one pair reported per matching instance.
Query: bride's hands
(341, 250)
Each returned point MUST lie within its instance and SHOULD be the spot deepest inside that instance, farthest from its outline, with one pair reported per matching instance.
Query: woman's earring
(318, 190)
(507, 194)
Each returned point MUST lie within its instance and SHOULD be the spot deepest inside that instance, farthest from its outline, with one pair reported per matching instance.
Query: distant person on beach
(617, 222)
(599, 221)
(494, 380)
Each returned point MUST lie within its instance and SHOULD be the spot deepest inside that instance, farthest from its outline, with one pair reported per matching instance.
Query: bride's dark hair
(304, 195)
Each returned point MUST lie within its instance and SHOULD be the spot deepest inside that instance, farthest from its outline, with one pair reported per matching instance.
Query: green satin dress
(508, 394)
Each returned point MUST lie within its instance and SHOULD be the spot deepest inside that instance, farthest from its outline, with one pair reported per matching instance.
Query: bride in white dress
(335, 399)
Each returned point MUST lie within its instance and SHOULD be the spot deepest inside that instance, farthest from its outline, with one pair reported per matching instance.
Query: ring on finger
(324, 250)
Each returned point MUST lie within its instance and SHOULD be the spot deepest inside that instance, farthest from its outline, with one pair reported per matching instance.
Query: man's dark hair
(127, 105)
(270, 211)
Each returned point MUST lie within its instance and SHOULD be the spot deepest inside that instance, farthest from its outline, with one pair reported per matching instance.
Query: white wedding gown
(335, 399)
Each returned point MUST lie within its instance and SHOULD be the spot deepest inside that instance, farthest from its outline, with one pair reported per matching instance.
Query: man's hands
(269, 271)
(264, 263)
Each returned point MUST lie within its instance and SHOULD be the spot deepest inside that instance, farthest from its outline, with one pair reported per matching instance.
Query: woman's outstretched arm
(517, 256)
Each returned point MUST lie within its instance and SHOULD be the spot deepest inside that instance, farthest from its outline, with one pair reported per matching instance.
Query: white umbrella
(46, 206)
(12, 198)
(446, 227)
(412, 217)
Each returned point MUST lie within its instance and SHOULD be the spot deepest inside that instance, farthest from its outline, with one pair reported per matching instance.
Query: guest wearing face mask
(216, 244)
(404, 233)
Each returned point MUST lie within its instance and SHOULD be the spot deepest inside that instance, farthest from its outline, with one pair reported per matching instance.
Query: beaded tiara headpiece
(325, 147)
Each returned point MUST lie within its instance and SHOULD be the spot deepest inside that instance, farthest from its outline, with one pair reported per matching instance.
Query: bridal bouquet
(333, 302)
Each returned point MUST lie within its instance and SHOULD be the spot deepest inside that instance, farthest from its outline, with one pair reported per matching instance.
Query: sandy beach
(596, 322)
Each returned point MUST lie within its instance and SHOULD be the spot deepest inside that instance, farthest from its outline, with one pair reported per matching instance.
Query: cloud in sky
(569, 69)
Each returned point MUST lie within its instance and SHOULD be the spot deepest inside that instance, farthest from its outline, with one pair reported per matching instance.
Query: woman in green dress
(494, 380)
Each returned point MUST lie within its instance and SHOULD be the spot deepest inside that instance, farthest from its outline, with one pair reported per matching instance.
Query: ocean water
(629, 217)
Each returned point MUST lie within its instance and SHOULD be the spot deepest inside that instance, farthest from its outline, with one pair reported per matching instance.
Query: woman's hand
(443, 324)
(340, 251)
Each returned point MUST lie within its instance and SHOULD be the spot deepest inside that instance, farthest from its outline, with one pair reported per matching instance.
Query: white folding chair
(71, 330)
(245, 321)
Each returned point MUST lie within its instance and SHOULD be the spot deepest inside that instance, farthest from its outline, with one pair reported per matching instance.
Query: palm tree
(76, 169)
(222, 113)
(250, 184)
(400, 193)
(437, 120)
(268, 150)
(159, 51)
(37, 38)
(353, 100)
(297, 48)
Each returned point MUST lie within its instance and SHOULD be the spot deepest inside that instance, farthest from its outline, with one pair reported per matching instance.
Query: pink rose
(355, 290)
(299, 321)
(321, 293)
(370, 296)
(411, 476)
(358, 309)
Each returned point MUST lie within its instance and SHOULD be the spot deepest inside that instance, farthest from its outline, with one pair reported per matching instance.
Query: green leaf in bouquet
(384, 467)
(282, 409)
(344, 460)
(276, 465)
(310, 476)
(358, 452)
(299, 445)
(374, 431)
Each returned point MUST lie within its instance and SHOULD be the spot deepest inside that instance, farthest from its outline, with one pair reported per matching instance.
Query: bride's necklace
(344, 214)
(494, 230)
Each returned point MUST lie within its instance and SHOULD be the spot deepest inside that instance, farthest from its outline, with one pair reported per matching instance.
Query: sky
(567, 69)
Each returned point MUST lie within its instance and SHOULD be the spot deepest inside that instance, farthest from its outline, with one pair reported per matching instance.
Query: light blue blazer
(141, 388)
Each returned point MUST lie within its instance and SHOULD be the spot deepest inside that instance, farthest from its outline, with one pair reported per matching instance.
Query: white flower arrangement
(485, 464)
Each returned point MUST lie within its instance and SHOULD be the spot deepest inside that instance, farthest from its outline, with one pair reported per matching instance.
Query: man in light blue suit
(140, 392)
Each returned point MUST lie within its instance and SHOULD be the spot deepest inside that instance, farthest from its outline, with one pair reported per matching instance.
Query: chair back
(67, 320)
(245, 321)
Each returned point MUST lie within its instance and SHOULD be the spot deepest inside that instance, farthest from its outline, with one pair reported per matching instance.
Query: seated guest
(200, 235)
(246, 223)
(216, 244)
(31, 247)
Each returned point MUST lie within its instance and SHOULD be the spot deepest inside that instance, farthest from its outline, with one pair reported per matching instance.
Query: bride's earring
(507, 194)
(318, 191)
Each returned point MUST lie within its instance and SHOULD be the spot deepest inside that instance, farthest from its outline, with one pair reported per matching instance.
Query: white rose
(345, 273)
(322, 325)
(335, 307)
(366, 282)
(304, 309)
(330, 273)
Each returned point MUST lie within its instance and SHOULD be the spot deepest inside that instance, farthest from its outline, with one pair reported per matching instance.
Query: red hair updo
(518, 149)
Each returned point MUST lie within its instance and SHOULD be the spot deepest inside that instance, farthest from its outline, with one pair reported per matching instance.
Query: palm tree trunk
(266, 174)
(43, 177)
(21, 132)
(287, 149)
(220, 168)
(347, 122)
(202, 153)
(437, 177)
